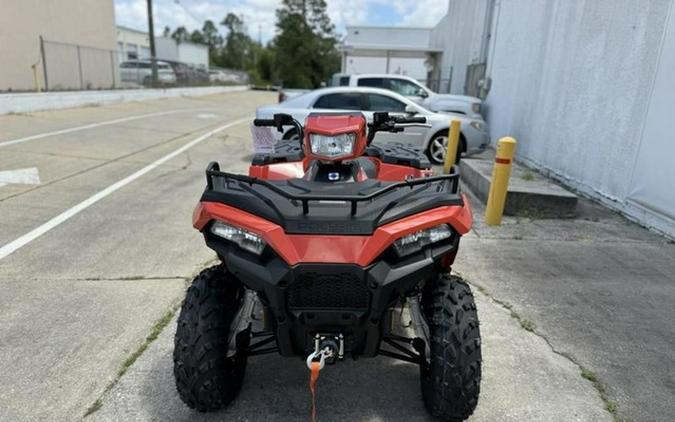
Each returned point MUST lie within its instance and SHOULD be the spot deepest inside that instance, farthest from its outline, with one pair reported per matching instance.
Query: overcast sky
(259, 14)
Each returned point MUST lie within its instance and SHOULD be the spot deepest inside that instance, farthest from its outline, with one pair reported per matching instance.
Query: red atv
(327, 243)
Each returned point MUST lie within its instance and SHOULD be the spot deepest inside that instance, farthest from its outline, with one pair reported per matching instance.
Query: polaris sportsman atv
(329, 241)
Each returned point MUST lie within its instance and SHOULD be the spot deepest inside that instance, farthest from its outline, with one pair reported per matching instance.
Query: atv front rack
(213, 170)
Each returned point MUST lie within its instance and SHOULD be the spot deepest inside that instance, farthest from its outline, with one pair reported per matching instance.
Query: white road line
(66, 215)
(90, 126)
(26, 176)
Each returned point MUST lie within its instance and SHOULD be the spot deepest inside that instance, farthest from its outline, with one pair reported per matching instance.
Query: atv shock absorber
(419, 325)
(242, 320)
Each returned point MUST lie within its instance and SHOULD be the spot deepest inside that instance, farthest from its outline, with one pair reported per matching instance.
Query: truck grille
(314, 290)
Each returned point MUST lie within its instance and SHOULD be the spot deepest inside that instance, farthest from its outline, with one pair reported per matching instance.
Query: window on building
(132, 51)
(377, 102)
(341, 101)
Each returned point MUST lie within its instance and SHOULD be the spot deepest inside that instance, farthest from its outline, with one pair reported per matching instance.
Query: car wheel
(439, 145)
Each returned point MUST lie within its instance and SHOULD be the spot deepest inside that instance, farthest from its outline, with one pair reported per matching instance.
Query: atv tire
(207, 380)
(451, 378)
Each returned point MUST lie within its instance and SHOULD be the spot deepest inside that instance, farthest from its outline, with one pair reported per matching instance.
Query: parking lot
(95, 259)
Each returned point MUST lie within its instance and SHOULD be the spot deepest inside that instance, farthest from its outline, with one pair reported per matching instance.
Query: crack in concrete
(133, 278)
(157, 328)
(527, 325)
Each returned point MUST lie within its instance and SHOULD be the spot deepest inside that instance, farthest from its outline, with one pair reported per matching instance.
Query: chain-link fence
(73, 67)
(76, 67)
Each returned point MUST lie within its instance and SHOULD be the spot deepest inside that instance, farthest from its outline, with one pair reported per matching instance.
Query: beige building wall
(84, 22)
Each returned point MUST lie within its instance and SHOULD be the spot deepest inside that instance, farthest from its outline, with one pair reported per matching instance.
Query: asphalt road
(102, 249)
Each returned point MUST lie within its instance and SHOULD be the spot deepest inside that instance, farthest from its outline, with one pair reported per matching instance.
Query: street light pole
(153, 54)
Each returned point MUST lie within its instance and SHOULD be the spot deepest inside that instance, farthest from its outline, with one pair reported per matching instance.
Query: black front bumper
(347, 299)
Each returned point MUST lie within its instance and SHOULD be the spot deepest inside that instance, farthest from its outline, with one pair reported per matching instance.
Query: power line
(187, 11)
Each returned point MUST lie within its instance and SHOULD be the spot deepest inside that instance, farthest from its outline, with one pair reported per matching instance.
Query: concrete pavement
(523, 380)
(78, 300)
(599, 288)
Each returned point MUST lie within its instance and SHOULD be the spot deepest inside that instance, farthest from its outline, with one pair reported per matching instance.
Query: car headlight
(475, 107)
(479, 126)
(244, 238)
(416, 241)
(332, 146)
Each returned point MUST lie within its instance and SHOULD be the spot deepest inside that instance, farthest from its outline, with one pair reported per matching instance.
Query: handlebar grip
(416, 120)
(264, 122)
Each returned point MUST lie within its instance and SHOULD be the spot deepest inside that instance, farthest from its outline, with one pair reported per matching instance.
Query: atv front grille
(314, 290)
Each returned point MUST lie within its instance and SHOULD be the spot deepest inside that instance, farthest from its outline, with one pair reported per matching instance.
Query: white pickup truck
(406, 86)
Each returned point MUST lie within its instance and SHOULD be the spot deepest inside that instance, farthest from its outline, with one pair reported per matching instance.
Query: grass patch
(610, 405)
(481, 289)
(527, 176)
(94, 407)
(154, 333)
(527, 324)
(589, 375)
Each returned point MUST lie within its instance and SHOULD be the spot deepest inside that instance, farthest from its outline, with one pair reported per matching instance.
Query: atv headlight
(244, 238)
(332, 146)
(416, 241)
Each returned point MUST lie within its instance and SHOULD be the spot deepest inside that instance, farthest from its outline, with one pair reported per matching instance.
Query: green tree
(212, 38)
(306, 44)
(197, 37)
(181, 34)
(237, 43)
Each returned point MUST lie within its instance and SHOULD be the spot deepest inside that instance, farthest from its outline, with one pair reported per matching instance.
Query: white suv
(411, 88)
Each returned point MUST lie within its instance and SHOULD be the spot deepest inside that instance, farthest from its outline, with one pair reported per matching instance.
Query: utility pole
(153, 53)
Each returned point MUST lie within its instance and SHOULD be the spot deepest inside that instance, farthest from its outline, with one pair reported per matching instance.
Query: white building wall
(651, 198)
(409, 66)
(186, 52)
(166, 48)
(366, 49)
(460, 35)
(387, 36)
(194, 54)
(572, 81)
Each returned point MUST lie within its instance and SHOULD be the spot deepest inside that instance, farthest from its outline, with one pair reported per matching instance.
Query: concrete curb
(30, 102)
(528, 193)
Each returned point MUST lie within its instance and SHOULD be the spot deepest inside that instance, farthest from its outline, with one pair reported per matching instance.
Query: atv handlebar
(263, 122)
(383, 122)
(279, 120)
(410, 119)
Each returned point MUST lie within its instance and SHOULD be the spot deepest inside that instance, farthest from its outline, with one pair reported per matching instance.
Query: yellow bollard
(506, 148)
(36, 79)
(453, 142)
